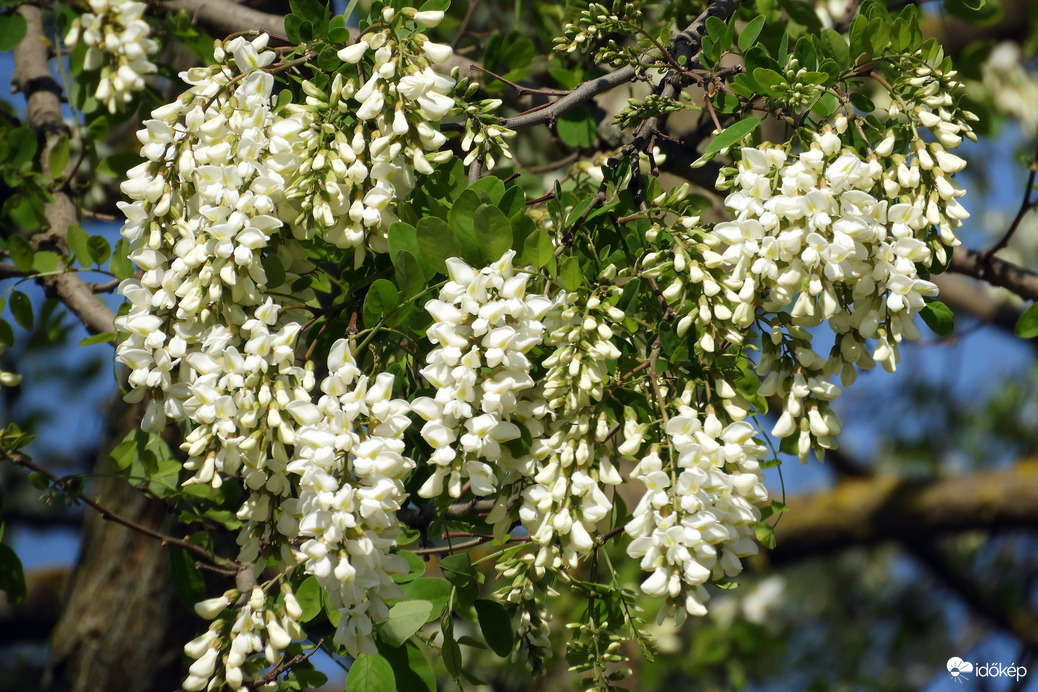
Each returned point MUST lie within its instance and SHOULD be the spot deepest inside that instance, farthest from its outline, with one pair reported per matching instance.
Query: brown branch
(965, 295)
(865, 511)
(1026, 205)
(995, 271)
(43, 107)
(226, 18)
(65, 484)
(272, 674)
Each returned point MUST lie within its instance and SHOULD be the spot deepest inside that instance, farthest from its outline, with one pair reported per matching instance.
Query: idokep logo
(960, 670)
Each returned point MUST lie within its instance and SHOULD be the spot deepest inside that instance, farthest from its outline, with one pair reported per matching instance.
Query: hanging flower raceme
(695, 520)
(838, 238)
(485, 325)
(118, 44)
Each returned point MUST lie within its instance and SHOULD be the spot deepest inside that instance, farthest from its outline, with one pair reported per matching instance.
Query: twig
(1026, 205)
(519, 88)
(463, 29)
(272, 674)
(19, 459)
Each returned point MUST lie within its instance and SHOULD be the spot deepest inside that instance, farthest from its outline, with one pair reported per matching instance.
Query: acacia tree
(368, 325)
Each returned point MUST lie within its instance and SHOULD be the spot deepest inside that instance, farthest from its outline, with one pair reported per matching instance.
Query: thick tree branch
(43, 106)
(964, 295)
(865, 511)
(996, 272)
(224, 17)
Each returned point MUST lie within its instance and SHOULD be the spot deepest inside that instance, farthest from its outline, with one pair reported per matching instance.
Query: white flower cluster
(694, 522)
(926, 90)
(223, 657)
(351, 182)
(202, 333)
(484, 327)
(118, 43)
(351, 465)
(209, 342)
(565, 499)
(1013, 90)
(834, 238)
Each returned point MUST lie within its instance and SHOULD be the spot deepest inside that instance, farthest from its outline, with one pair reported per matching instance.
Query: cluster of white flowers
(694, 522)
(1013, 90)
(484, 327)
(210, 340)
(837, 238)
(351, 465)
(565, 498)
(927, 90)
(118, 43)
(372, 138)
(222, 655)
(202, 332)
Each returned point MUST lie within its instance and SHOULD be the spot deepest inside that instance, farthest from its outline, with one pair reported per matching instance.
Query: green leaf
(310, 597)
(405, 619)
(122, 267)
(462, 222)
(21, 308)
(100, 249)
(538, 251)
(12, 30)
(493, 231)
(496, 626)
(403, 236)
(415, 564)
(6, 333)
(45, 262)
(78, 242)
(408, 274)
(12, 576)
(59, 157)
(187, 580)
(451, 653)
(577, 128)
(569, 274)
(492, 186)
(21, 253)
(765, 534)
(1027, 325)
(458, 570)
(834, 45)
(750, 32)
(382, 298)
(939, 318)
(102, 338)
(410, 667)
(437, 243)
(436, 591)
(732, 134)
(370, 674)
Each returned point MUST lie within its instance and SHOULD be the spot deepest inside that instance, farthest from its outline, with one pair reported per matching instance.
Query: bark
(122, 627)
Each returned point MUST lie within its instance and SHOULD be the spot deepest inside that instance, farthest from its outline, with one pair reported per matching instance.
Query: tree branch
(225, 18)
(865, 511)
(43, 106)
(996, 272)
(686, 43)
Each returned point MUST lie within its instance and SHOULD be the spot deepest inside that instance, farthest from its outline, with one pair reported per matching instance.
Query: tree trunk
(122, 627)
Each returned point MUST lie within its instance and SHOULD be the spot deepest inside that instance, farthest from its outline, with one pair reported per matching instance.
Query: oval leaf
(496, 626)
(370, 674)
(405, 619)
